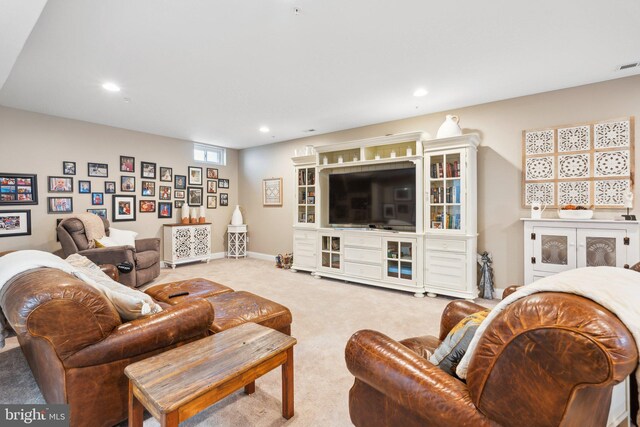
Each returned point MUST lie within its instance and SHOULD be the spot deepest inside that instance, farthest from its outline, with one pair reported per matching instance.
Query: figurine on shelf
(486, 275)
(628, 203)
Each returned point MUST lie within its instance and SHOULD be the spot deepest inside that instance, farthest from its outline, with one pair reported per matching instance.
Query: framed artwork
(127, 164)
(110, 187)
(224, 199)
(212, 202)
(165, 210)
(195, 196)
(178, 203)
(15, 223)
(271, 192)
(195, 175)
(223, 183)
(128, 184)
(212, 173)
(97, 198)
(84, 187)
(18, 189)
(102, 213)
(212, 186)
(124, 207)
(165, 192)
(437, 225)
(68, 168)
(166, 174)
(402, 194)
(179, 194)
(147, 206)
(100, 170)
(148, 170)
(59, 205)
(148, 188)
(180, 182)
(60, 184)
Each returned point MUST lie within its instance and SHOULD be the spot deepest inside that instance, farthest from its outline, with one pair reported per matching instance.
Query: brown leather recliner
(550, 359)
(145, 257)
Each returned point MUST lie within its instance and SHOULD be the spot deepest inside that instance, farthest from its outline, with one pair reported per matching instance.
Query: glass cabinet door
(444, 181)
(601, 248)
(400, 259)
(306, 195)
(331, 252)
(554, 249)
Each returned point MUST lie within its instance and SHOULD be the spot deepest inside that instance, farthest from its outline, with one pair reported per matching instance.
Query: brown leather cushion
(423, 346)
(235, 308)
(198, 287)
(146, 259)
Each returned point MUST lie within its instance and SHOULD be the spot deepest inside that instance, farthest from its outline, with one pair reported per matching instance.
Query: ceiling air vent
(628, 66)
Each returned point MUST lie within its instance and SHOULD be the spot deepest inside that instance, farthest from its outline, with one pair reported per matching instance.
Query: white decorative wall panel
(574, 139)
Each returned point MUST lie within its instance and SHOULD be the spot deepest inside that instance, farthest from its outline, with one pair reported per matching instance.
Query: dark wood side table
(176, 385)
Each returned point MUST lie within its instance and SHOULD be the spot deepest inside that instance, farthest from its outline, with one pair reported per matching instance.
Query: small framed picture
(84, 187)
(148, 189)
(178, 203)
(271, 192)
(180, 182)
(18, 189)
(102, 213)
(212, 186)
(127, 164)
(148, 170)
(165, 192)
(212, 173)
(165, 210)
(60, 184)
(223, 183)
(195, 176)
(179, 194)
(59, 205)
(212, 202)
(124, 208)
(97, 198)
(15, 223)
(100, 170)
(128, 184)
(110, 187)
(402, 194)
(224, 199)
(147, 206)
(195, 196)
(436, 225)
(312, 218)
(68, 168)
(166, 174)
(311, 200)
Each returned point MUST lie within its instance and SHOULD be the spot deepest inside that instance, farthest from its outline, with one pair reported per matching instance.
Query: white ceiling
(215, 71)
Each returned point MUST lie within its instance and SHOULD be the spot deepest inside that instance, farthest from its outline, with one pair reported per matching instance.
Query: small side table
(237, 241)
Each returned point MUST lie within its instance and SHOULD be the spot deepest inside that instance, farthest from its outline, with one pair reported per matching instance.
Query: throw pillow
(106, 242)
(454, 346)
(123, 237)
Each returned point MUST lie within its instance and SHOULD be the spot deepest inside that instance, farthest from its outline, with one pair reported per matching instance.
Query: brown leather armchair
(145, 257)
(550, 359)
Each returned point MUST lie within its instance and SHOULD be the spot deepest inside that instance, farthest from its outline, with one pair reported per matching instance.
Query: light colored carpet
(325, 314)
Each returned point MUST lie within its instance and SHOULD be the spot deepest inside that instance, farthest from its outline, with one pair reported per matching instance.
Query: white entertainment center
(427, 240)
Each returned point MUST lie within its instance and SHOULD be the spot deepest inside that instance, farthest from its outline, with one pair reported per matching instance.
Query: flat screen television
(384, 198)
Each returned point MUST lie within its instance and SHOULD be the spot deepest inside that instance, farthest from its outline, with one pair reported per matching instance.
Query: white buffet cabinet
(186, 243)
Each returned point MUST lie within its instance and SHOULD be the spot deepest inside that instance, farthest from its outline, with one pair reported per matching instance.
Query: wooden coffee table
(176, 385)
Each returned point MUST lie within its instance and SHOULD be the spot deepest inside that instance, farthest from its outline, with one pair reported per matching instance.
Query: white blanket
(616, 289)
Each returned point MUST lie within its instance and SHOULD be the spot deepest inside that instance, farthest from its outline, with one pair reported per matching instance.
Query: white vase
(449, 127)
(185, 214)
(236, 218)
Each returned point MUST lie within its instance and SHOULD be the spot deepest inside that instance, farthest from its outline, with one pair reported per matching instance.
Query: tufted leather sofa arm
(110, 270)
(454, 312)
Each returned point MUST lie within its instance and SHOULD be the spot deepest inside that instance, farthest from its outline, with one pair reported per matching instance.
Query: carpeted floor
(325, 314)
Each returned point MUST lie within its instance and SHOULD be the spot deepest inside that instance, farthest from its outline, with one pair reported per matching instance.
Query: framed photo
(15, 223)
(224, 199)
(165, 210)
(166, 174)
(59, 205)
(212, 173)
(97, 198)
(110, 187)
(124, 207)
(68, 168)
(100, 170)
(195, 196)
(148, 170)
(437, 225)
(18, 189)
(223, 183)
(311, 200)
(84, 187)
(180, 182)
(271, 192)
(212, 202)
(179, 194)
(165, 192)
(128, 184)
(127, 164)
(402, 193)
(195, 176)
(312, 218)
(102, 213)
(212, 186)
(60, 184)
(178, 204)
(148, 188)
(147, 206)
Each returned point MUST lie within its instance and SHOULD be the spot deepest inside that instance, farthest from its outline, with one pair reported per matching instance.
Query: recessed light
(264, 129)
(420, 92)
(111, 87)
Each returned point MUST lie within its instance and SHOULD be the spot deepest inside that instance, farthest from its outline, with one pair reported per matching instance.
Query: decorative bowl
(575, 214)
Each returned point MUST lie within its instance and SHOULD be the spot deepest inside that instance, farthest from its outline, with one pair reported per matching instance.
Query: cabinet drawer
(446, 270)
(363, 270)
(446, 245)
(363, 241)
(363, 255)
(305, 250)
(308, 236)
(304, 260)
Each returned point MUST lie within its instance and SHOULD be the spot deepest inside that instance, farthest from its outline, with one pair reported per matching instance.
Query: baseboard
(264, 257)
(217, 255)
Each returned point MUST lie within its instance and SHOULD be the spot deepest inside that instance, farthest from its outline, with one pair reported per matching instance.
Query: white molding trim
(217, 255)
(258, 255)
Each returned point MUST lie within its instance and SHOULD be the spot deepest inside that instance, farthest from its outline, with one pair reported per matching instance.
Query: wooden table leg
(170, 419)
(287, 385)
(250, 388)
(136, 409)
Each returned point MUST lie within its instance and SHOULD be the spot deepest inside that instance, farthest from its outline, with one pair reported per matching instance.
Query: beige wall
(499, 163)
(37, 143)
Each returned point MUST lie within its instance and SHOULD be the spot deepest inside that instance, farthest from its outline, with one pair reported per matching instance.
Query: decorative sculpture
(486, 275)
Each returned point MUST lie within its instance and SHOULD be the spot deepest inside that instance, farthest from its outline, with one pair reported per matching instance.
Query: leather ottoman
(176, 292)
(235, 308)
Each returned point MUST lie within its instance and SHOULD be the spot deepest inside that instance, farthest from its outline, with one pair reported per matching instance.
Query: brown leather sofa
(145, 257)
(550, 359)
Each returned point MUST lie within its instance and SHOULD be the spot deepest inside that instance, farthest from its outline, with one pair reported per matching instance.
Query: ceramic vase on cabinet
(236, 218)
(449, 127)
